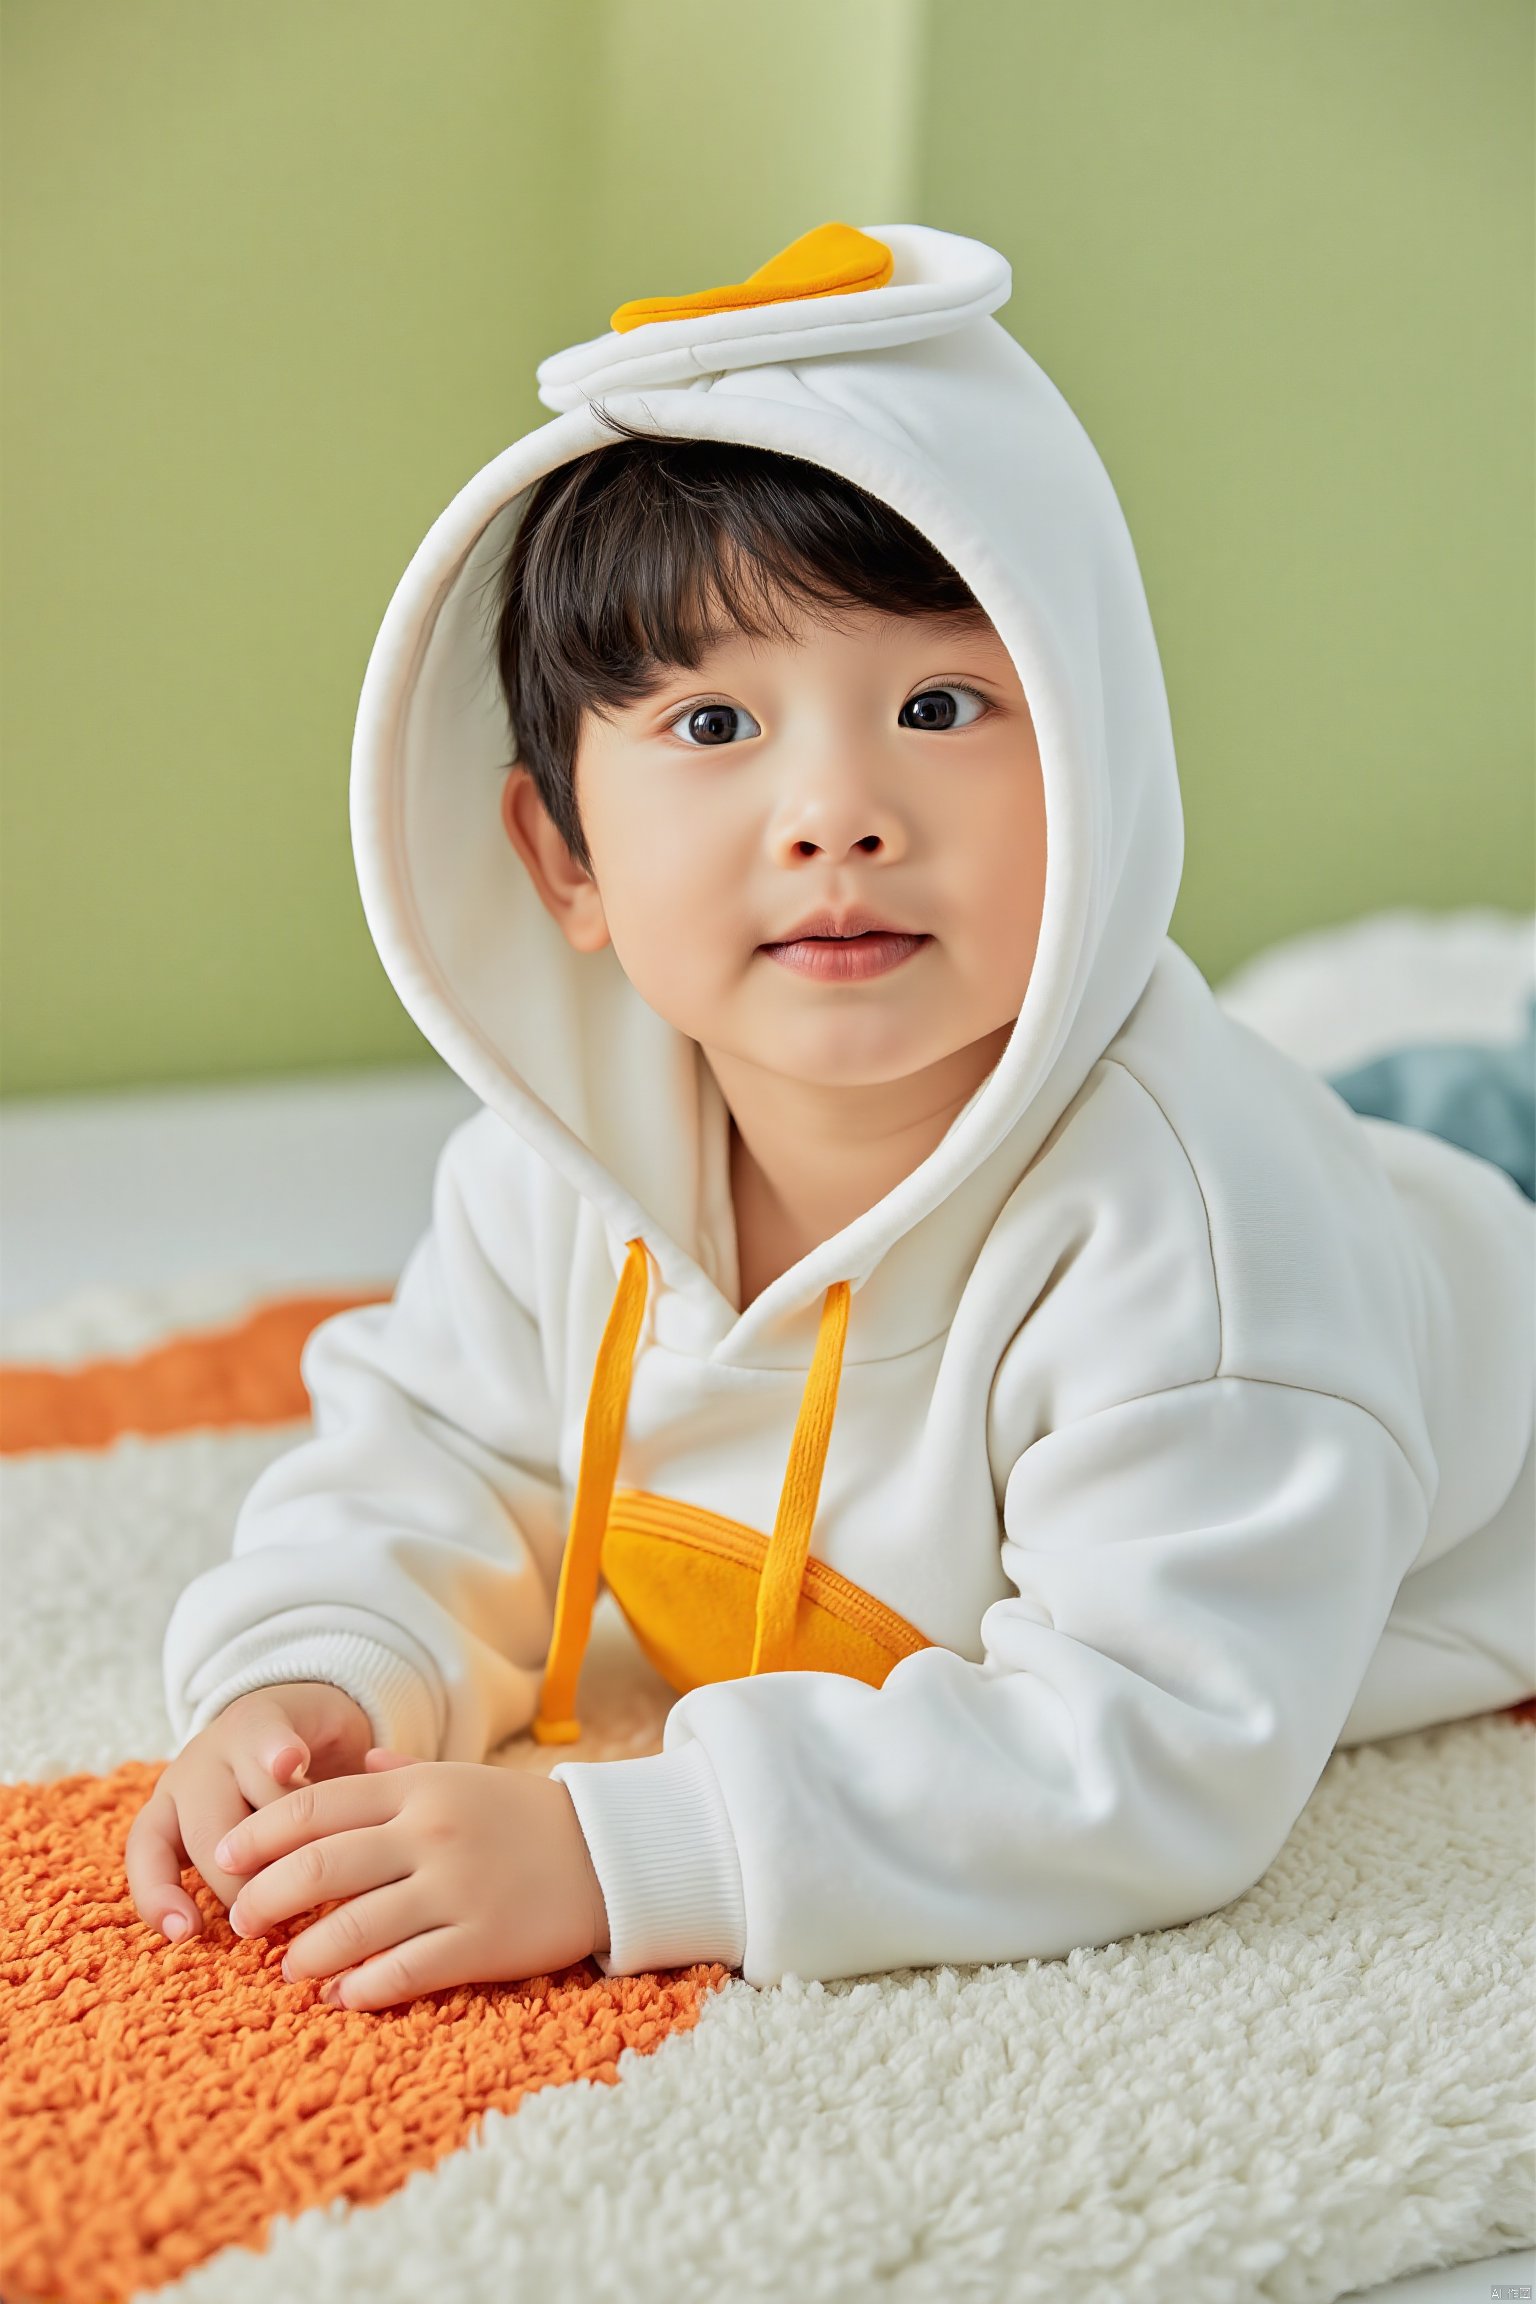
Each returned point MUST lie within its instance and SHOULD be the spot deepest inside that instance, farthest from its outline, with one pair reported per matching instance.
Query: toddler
(1028, 1420)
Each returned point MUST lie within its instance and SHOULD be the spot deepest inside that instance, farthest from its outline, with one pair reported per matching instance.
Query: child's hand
(254, 1752)
(457, 1873)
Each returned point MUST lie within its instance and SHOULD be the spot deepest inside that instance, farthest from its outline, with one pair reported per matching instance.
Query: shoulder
(492, 1188)
(1207, 1208)
(1315, 1283)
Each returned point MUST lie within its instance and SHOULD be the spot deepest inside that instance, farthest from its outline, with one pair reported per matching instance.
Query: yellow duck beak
(832, 260)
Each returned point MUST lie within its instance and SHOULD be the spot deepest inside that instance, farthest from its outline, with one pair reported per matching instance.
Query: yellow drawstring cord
(778, 1589)
(576, 1594)
(778, 1585)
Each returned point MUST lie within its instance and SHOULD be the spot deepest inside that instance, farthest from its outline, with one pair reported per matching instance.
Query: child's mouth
(845, 959)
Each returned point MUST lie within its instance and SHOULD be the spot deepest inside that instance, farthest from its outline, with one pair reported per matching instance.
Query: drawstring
(601, 1434)
(778, 1589)
(778, 1583)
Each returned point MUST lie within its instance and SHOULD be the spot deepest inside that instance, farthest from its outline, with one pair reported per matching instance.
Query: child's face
(780, 778)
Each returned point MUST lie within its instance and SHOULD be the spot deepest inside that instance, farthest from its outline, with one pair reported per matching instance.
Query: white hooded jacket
(1112, 1432)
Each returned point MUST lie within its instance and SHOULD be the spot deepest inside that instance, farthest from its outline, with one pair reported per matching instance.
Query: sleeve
(409, 1550)
(1201, 1577)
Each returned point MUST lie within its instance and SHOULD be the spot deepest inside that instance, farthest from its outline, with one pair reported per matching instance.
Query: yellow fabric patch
(686, 1580)
(834, 260)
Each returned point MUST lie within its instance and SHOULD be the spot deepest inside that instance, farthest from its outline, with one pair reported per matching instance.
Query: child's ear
(567, 892)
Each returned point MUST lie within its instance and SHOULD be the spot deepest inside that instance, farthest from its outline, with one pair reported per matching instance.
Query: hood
(910, 389)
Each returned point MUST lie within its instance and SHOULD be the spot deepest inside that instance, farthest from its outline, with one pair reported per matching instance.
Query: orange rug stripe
(245, 1374)
(160, 2102)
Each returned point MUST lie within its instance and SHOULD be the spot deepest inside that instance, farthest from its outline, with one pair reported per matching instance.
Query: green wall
(275, 280)
(1280, 256)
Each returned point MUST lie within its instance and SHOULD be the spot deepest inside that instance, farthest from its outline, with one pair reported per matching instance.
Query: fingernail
(175, 1925)
(221, 1853)
(331, 1995)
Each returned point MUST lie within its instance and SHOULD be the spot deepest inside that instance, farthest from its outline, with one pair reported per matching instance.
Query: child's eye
(714, 724)
(948, 707)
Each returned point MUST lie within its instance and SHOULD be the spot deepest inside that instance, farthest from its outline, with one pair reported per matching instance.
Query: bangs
(634, 560)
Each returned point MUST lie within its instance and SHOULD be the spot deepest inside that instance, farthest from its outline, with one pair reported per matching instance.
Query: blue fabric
(1483, 1099)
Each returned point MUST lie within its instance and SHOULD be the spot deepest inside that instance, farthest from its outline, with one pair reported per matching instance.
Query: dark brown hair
(634, 559)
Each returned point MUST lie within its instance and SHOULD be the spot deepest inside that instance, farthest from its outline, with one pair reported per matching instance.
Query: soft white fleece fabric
(1188, 1416)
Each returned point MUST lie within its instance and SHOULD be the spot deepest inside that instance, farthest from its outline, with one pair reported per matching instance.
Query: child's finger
(153, 1858)
(276, 1758)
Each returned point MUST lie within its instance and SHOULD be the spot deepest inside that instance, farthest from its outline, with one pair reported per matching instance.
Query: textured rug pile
(1326, 2084)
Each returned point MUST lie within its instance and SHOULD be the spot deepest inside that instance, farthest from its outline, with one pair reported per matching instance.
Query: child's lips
(846, 959)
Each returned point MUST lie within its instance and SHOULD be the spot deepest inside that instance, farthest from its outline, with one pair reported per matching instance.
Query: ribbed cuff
(391, 1691)
(665, 1857)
